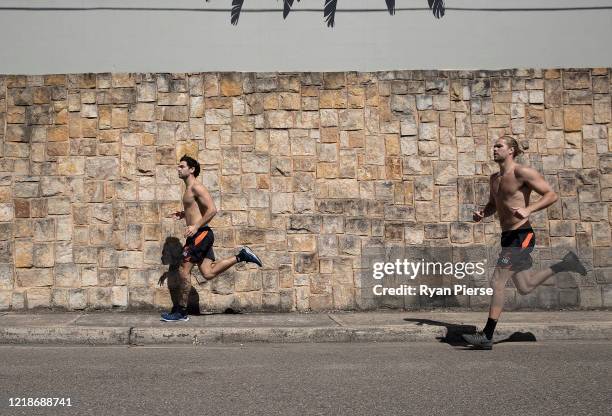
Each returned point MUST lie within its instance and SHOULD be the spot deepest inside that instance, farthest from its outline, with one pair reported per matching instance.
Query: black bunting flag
(287, 7)
(329, 9)
(437, 6)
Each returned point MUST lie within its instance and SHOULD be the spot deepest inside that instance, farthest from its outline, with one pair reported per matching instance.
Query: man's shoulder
(198, 187)
(522, 171)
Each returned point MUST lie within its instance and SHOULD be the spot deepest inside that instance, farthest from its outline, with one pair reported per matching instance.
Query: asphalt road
(530, 378)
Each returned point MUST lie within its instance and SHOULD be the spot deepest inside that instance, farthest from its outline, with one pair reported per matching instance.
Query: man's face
(501, 150)
(183, 170)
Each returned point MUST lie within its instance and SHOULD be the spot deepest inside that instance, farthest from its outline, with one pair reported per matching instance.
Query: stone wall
(308, 169)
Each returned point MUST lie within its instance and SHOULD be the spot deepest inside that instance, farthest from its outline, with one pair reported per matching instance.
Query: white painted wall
(43, 42)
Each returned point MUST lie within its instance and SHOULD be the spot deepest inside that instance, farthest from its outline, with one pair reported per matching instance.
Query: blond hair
(512, 143)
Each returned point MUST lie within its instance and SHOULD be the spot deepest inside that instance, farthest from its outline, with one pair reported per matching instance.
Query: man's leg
(179, 309)
(498, 283)
(527, 280)
(184, 283)
(484, 339)
(211, 269)
(180, 314)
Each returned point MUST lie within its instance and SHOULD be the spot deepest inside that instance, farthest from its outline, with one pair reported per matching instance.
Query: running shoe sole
(572, 258)
(255, 259)
(185, 319)
(477, 341)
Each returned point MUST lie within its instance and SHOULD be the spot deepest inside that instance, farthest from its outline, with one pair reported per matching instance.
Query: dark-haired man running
(510, 191)
(198, 249)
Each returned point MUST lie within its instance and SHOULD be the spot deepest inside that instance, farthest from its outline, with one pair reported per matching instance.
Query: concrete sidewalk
(122, 328)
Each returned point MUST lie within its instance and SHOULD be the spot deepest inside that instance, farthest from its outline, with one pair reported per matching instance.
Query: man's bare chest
(188, 198)
(506, 186)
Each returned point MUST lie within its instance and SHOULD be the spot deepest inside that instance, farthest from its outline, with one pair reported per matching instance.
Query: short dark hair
(512, 143)
(192, 163)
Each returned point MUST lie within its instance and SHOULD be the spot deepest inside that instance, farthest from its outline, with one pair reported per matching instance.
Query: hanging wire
(329, 9)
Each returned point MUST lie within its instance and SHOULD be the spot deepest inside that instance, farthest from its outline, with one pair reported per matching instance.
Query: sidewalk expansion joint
(73, 322)
(335, 320)
(131, 342)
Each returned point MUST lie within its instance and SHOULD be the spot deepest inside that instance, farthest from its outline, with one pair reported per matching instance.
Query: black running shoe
(479, 340)
(574, 264)
(246, 254)
(174, 317)
(174, 309)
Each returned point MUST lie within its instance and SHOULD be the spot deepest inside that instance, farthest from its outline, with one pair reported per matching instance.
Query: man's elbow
(554, 197)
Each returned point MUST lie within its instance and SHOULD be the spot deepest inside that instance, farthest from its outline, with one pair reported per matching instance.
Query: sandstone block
(279, 119)
(38, 298)
(77, 299)
(351, 119)
(281, 203)
(302, 242)
(142, 112)
(34, 277)
(66, 275)
(428, 131)
(7, 276)
(230, 84)
(43, 255)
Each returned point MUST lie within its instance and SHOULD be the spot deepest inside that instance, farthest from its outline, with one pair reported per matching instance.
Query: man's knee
(208, 274)
(524, 289)
(522, 285)
(498, 280)
(206, 269)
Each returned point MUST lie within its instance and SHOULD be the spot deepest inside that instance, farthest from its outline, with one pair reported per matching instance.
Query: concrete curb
(560, 332)
(69, 335)
(155, 336)
(175, 335)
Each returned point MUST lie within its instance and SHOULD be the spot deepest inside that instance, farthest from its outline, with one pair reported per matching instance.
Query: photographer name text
(425, 290)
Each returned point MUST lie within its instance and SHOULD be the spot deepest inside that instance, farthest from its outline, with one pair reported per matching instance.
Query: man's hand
(177, 215)
(478, 216)
(520, 213)
(190, 230)
(162, 279)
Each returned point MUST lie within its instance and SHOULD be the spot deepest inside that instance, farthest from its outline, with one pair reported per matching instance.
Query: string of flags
(329, 9)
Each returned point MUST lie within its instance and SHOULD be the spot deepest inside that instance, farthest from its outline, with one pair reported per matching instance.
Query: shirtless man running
(510, 191)
(198, 249)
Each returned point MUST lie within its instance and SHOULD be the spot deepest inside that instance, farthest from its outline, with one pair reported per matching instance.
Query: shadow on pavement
(227, 311)
(454, 331)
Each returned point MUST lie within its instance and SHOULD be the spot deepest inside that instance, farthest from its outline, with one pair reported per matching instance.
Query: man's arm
(490, 208)
(532, 179)
(204, 199)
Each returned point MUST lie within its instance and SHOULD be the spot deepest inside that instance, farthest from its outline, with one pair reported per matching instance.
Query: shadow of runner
(519, 337)
(453, 333)
(172, 255)
(227, 311)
